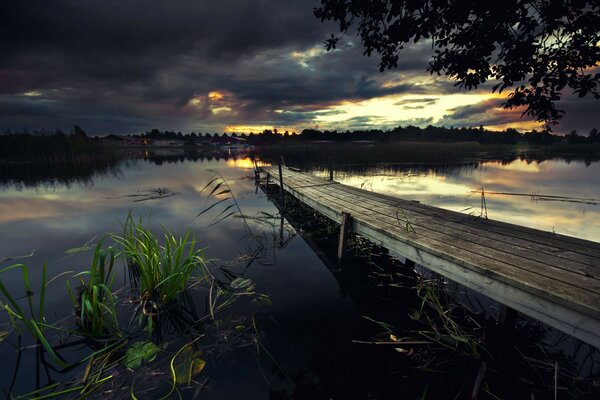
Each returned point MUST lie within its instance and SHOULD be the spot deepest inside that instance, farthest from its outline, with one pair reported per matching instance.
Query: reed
(34, 324)
(160, 271)
(95, 304)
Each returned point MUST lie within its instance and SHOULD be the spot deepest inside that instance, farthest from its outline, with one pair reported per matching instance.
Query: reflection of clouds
(453, 191)
(412, 185)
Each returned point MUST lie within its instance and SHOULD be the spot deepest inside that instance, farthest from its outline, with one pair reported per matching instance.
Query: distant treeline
(56, 147)
(442, 134)
(399, 134)
(45, 145)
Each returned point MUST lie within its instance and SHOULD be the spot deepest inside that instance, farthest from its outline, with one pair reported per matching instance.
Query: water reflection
(314, 317)
(460, 190)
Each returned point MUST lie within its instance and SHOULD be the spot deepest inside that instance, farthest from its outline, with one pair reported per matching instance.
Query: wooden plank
(429, 228)
(560, 241)
(537, 273)
(448, 218)
(476, 236)
(592, 248)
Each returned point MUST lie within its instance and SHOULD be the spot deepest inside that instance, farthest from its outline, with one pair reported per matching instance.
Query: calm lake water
(314, 314)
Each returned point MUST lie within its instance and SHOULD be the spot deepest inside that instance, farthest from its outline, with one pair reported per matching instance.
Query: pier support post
(507, 317)
(281, 190)
(330, 167)
(256, 171)
(343, 239)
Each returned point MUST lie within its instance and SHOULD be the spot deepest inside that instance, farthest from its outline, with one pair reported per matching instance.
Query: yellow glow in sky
(386, 109)
(220, 110)
(32, 93)
(196, 101)
(256, 128)
(303, 58)
(215, 95)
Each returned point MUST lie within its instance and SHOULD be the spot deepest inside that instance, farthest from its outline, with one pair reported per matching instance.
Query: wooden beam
(281, 189)
(343, 239)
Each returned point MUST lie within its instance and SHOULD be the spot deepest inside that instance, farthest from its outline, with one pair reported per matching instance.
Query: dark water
(307, 332)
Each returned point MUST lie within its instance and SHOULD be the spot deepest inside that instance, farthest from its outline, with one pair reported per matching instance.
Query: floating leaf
(77, 250)
(141, 351)
(400, 350)
(240, 328)
(393, 337)
(263, 299)
(240, 283)
(3, 335)
(188, 365)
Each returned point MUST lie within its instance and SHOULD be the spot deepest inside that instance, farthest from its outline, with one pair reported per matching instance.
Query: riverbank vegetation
(155, 319)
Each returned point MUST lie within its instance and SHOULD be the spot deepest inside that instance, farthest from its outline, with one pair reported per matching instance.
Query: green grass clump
(34, 324)
(161, 271)
(95, 303)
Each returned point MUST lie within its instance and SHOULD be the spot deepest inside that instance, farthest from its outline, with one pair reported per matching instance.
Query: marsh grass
(440, 326)
(170, 277)
(160, 271)
(95, 304)
(34, 324)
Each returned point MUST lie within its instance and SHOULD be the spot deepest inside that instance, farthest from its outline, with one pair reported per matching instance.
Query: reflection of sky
(52, 220)
(313, 322)
(453, 191)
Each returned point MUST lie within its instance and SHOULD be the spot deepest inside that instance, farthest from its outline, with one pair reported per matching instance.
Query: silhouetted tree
(535, 47)
(77, 132)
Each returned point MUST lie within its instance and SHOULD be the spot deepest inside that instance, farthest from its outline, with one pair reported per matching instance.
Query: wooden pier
(552, 278)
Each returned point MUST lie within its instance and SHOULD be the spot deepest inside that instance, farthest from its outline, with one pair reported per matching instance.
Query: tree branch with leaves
(537, 49)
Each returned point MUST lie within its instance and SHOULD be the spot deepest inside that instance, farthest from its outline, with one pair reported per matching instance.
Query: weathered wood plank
(475, 256)
(592, 248)
(567, 243)
(498, 242)
(465, 223)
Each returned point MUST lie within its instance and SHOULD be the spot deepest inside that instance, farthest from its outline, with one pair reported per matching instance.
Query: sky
(129, 66)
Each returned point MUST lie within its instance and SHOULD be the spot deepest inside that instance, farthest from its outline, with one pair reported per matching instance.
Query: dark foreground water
(304, 343)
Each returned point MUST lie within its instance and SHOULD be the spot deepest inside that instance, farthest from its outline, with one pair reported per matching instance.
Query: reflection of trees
(66, 172)
(30, 161)
(397, 156)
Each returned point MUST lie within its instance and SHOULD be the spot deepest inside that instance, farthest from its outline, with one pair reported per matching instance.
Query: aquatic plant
(439, 325)
(160, 271)
(34, 324)
(226, 196)
(95, 302)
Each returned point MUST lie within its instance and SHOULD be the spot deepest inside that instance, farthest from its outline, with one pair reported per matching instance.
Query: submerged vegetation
(113, 322)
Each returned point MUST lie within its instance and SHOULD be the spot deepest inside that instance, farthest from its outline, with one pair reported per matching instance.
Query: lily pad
(141, 351)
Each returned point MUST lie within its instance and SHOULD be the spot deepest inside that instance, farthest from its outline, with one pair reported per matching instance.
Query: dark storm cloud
(580, 114)
(138, 64)
(486, 113)
(127, 66)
